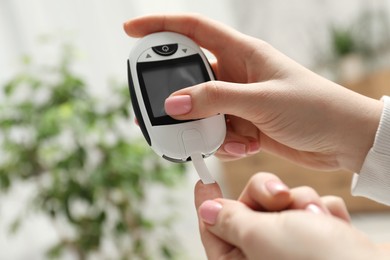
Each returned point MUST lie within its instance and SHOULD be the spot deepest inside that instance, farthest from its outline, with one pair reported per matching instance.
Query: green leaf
(5, 181)
(167, 252)
(9, 88)
(15, 225)
(56, 251)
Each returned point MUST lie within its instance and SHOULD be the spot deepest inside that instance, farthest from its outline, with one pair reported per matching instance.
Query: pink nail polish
(314, 209)
(178, 105)
(236, 149)
(276, 187)
(209, 210)
(254, 147)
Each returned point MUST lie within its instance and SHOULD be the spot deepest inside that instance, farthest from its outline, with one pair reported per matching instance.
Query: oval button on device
(165, 50)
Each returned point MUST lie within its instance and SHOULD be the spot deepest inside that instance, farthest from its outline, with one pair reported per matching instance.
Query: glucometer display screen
(160, 82)
(161, 78)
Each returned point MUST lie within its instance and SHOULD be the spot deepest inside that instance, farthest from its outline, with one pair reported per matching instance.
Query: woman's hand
(271, 221)
(270, 101)
(266, 192)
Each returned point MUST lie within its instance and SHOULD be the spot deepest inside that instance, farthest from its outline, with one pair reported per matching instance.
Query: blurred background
(78, 181)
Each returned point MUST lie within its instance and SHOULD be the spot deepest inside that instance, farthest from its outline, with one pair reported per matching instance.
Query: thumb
(233, 222)
(211, 98)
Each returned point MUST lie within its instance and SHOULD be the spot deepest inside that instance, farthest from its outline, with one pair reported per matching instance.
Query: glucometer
(160, 64)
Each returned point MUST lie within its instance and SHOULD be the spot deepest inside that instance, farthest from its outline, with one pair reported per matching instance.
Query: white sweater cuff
(373, 181)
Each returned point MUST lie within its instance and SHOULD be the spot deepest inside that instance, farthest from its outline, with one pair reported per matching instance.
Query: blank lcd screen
(163, 78)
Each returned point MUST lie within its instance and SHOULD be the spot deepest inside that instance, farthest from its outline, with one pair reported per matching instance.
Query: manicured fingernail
(276, 187)
(236, 149)
(125, 24)
(254, 147)
(209, 210)
(178, 105)
(314, 209)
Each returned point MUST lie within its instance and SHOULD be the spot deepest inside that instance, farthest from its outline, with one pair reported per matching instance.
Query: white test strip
(201, 168)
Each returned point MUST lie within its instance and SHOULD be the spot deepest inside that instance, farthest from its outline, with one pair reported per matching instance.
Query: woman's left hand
(271, 221)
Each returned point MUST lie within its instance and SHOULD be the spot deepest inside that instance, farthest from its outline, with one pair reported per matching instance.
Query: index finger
(208, 33)
(266, 192)
(205, 192)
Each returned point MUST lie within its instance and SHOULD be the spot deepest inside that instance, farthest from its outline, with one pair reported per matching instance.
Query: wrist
(360, 133)
(373, 178)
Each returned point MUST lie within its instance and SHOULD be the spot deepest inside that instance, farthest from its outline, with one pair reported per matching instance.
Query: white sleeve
(373, 181)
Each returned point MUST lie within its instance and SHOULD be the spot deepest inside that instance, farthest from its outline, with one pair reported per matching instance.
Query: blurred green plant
(367, 35)
(343, 41)
(365, 38)
(91, 176)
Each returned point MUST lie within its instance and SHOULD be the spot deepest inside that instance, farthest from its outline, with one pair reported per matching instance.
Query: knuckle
(194, 19)
(333, 200)
(212, 91)
(307, 190)
(257, 179)
(232, 223)
(304, 195)
(227, 220)
(262, 176)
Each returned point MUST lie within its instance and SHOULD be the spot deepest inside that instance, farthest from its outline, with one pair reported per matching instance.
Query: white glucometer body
(160, 64)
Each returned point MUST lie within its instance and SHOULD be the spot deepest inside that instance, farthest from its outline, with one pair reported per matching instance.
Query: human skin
(270, 101)
(271, 221)
(232, 230)
(275, 104)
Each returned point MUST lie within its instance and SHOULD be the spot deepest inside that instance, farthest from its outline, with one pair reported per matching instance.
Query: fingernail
(276, 187)
(178, 105)
(236, 149)
(314, 209)
(209, 210)
(125, 24)
(254, 147)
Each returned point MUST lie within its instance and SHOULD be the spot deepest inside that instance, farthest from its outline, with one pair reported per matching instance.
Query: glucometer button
(165, 50)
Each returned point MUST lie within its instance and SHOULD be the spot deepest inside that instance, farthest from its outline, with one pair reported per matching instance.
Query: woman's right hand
(270, 101)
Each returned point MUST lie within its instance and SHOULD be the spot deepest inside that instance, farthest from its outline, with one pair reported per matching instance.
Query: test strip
(201, 168)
